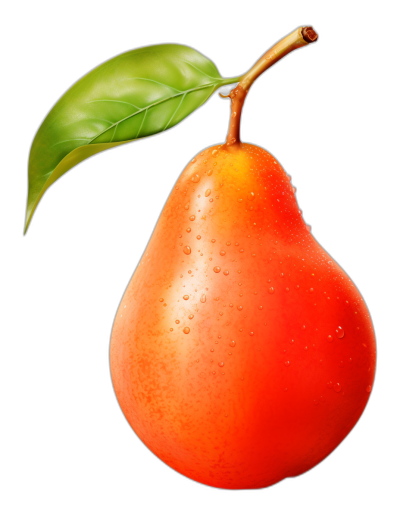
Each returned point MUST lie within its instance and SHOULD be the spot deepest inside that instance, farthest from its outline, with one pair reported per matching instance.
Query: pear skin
(241, 352)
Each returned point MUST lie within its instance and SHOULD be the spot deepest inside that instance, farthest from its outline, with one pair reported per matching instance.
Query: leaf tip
(27, 221)
(28, 217)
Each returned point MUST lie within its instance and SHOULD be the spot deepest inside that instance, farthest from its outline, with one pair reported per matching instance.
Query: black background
(314, 112)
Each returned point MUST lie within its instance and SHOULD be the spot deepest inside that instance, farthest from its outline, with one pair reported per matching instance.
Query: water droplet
(188, 229)
(241, 250)
(260, 307)
(193, 160)
(221, 363)
(186, 330)
(303, 327)
(228, 243)
(213, 240)
(337, 387)
(251, 334)
(198, 237)
(217, 269)
(281, 274)
(339, 332)
(211, 199)
(203, 298)
(240, 308)
(209, 172)
(369, 388)
(251, 196)
(341, 364)
(186, 207)
(187, 249)
(186, 297)
(232, 343)
(192, 218)
(208, 192)
(271, 290)
(287, 363)
(226, 272)
(329, 385)
(191, 316)
(330, 338)
(214, 372)
(311, 290)
(316, 402)
(195, 178)
(161, 300)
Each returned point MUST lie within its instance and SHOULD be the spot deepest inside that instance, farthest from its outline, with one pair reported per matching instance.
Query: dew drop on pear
(340, 332)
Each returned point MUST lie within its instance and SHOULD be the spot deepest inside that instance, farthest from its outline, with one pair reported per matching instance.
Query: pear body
(241, 353)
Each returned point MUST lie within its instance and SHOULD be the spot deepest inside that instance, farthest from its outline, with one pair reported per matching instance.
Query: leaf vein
(176, 110)
(69, 140)
(154, 81)
(198, 69)
(115, 130)
(115, 101)
(201, 87)
(141, 125)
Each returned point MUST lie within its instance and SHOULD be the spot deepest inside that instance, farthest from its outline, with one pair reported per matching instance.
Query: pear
(241, 352)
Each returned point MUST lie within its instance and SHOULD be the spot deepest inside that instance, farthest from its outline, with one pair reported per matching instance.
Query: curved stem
(298, 38)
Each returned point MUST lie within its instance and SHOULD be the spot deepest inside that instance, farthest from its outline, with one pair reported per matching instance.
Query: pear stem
(298, 38)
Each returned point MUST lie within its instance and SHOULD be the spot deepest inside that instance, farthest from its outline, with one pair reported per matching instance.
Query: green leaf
(136, 94)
